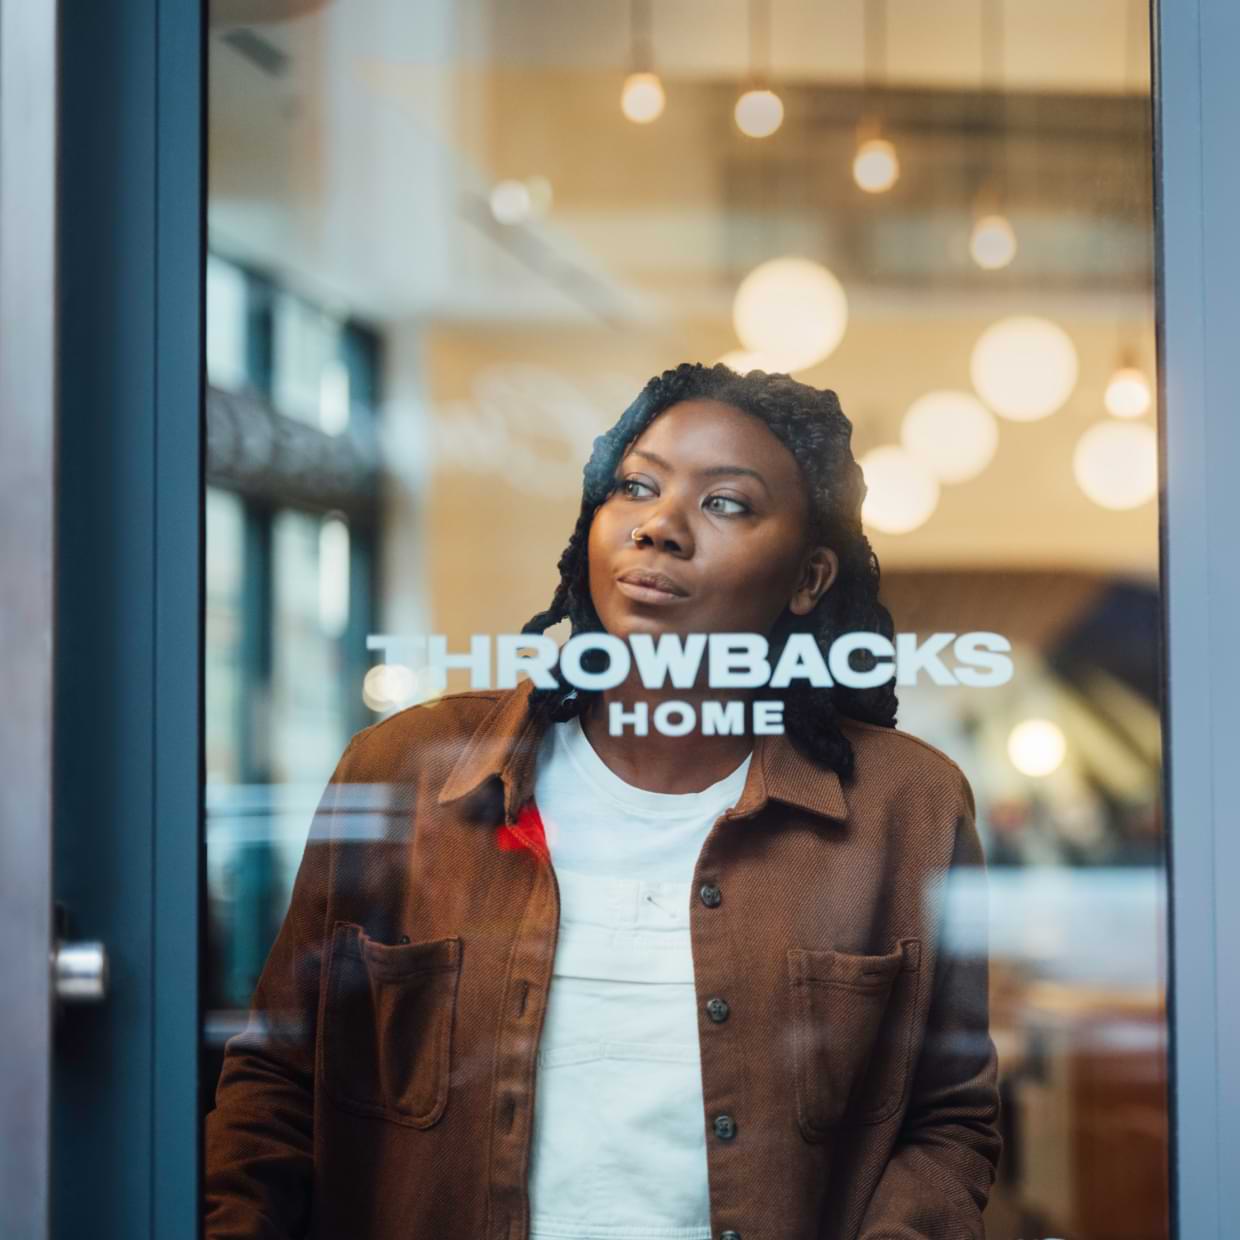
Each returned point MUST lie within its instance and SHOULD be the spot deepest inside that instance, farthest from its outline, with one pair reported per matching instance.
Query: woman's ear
(821, 567)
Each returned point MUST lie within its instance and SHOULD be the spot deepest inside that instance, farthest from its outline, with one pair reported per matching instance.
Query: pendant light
(1128, 392)
(901, 493)
(992, 241)
(952, 433)
(759, 111)
(1024, 367)
(641, 97)
(1116, 463)
(875, 167)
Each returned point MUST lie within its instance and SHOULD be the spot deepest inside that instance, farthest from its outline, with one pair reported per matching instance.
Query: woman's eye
(635, 488)
(725, 505)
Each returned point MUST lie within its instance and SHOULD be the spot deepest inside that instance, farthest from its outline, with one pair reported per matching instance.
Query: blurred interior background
(449, 243)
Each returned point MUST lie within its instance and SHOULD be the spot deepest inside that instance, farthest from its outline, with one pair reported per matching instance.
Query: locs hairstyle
(808, 421)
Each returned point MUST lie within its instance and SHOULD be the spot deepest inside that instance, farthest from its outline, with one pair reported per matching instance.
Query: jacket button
(725, 1127)
(717, 1009)
(404, 938)
(712, 897)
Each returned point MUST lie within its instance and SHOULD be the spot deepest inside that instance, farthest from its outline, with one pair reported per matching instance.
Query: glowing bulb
(1128, 394)
(791, 310)
(641, 97)
(510, 202)
(901, 493)
(1024, 367)
(952, 433)
(759, 113)
(993, 243)
(875, 166)
(1036, 747)
(1116, 464)
(387, 685)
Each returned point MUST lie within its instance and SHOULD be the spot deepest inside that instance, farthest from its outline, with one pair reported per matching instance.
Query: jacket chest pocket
(385, 1039)
(852, 1030)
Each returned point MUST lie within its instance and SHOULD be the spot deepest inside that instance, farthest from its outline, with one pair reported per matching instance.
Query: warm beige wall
(491, 545)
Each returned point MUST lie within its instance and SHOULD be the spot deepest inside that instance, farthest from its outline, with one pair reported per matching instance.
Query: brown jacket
(384, 1087)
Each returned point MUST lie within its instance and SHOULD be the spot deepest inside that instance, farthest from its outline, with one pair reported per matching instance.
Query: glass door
(448, 246)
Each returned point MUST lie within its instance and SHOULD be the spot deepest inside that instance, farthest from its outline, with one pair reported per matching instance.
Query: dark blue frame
(128, 859)
(1197, 98)
(129, 697)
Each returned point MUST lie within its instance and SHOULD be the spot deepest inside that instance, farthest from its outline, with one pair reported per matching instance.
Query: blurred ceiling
(355, 146)
(353, 149)
(1055, 45)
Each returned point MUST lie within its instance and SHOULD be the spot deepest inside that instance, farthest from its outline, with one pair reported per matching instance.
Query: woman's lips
(646, 587)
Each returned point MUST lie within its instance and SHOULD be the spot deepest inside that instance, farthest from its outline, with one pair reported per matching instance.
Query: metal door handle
(80, 972)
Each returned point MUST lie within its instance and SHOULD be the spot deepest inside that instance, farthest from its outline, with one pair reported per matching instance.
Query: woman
(543, 977)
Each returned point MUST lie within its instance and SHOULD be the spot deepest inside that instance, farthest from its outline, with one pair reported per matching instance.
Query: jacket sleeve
(259, 1139)
(940, 1172)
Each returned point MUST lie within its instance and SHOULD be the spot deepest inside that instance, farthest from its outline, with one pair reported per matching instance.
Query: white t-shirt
(619, 1141)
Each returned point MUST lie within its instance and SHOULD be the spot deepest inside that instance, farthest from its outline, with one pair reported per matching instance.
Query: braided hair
(808, 421)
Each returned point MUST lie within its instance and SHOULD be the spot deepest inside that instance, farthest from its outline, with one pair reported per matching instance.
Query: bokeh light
(901, 493)
(876, 167)
(791, 310)
(642, 98)
(952, 433)
(1116, 464)
(1037, 747)
(1024, 367)
(759, 113)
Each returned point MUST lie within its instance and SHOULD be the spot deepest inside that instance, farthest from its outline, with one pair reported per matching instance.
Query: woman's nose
(667, 529)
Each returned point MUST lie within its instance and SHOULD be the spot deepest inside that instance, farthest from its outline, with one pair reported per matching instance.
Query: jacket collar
(505, 747)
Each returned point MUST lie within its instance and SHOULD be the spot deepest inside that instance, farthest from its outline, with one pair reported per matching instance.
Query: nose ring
(633, 533)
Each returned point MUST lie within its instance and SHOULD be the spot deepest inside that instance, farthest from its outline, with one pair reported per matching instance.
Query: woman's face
(722, 521)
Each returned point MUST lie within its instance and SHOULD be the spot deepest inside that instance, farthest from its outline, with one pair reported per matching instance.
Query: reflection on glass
(224, 626)
(449, 245)
(308, 715)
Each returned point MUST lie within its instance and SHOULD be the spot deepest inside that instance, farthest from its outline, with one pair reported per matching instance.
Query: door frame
(1197, 199)
(123, 669)
(127, 815)
(27, 600)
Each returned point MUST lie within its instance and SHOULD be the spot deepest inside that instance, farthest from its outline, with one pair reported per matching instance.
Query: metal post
(1197, 98)
(28, 36)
